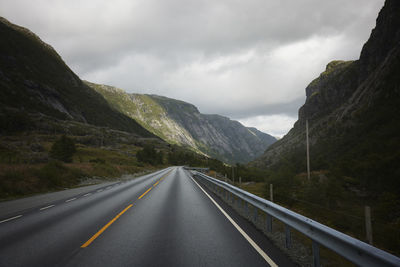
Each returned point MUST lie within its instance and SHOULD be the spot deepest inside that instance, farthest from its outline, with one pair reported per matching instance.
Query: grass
(25, 171)
(257, 189)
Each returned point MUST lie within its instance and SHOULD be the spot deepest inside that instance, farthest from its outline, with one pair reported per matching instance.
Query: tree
(63, 149)
(149, 155)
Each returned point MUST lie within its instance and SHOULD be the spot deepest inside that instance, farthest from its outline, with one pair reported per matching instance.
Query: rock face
(35, 80)
(353, 109)
(181, 123)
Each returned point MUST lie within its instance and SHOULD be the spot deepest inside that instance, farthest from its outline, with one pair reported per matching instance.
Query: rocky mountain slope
(181, 123)
(34, 80)
(353, 109)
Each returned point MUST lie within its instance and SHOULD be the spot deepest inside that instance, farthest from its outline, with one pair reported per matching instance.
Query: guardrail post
(268, 222)
(368, 226)
(288, 237)
(315, 252)
(255, 215)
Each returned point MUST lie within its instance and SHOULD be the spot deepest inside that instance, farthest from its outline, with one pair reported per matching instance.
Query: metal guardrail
(350, 248)
(196, 169)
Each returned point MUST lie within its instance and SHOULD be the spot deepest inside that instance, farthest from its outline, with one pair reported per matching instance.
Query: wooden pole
(368, 225)
(271, 192)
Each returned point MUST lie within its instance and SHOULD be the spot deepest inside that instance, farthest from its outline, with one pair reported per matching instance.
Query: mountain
(34, 80)
(181, 123)
(37, 89)
(353, 110)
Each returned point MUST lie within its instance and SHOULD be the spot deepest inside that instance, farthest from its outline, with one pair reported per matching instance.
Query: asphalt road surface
(161, 219)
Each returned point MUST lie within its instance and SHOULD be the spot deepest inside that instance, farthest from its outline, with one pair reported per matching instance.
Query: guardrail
(350, 248)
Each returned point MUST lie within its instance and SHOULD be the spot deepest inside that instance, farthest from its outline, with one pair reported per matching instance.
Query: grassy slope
(146, 111)
(25, 167)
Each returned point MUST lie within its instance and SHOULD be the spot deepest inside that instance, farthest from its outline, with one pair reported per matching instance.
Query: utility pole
(233, 174)
(271, 192)
(308, 152)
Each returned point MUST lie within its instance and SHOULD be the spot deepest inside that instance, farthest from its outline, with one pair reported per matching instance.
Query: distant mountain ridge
(353, 110)
(181, 123)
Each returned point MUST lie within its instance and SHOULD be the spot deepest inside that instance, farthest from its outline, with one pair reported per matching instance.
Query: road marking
(72, 199)
(100, 190)
(156, 183)
(248, 238)
(87, 243)
(47, 207)
(12, 218)
(108, 187)
(88, 194)
(145, 193)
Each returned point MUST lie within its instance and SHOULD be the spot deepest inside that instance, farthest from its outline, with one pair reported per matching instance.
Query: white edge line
(72, 199)
(88, 194)
(248, 238)
(12, 218)
(47, 207)
(100, 190)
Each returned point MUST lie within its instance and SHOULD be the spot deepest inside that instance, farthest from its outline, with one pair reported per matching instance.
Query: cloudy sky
(249, 60)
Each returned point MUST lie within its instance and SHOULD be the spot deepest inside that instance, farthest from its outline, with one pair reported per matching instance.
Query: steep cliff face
(353, 109)
(181, 123)
(145, 110)
(218, 135)
(35, 80)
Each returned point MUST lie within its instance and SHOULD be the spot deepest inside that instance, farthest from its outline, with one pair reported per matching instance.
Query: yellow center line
(162, 178)
(145, 192)
(119, 215)
(105, 227)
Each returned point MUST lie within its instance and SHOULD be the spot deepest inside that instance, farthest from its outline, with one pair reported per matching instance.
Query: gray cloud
(237, 58)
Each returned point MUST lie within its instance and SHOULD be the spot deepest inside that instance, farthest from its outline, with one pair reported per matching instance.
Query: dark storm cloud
(236, 58)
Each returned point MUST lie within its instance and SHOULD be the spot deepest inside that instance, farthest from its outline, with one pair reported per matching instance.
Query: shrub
(149, 155)
(63, 149)
(56, 175)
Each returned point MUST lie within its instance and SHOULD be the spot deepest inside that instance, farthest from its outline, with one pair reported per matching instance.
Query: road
(161, 219)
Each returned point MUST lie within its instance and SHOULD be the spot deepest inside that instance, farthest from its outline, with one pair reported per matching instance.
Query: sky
(248, 60)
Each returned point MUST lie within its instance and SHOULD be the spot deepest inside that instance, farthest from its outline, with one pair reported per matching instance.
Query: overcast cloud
(248, 60)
